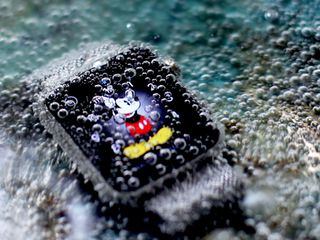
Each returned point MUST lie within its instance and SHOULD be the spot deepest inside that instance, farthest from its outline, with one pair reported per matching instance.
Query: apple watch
(148, 146)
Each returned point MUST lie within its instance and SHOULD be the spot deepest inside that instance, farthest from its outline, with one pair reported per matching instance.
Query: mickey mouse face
(129, 104)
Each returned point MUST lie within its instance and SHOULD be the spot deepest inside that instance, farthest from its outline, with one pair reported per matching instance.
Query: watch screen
(132, 119)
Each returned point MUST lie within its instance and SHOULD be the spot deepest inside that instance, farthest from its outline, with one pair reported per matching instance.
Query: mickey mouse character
(128, 105)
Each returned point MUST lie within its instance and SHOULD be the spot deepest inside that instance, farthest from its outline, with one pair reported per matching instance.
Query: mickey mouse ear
(130, 93)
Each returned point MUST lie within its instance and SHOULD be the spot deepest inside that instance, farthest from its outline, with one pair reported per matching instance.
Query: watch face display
(132, 119)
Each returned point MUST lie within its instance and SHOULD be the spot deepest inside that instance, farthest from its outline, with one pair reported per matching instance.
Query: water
(256, 63)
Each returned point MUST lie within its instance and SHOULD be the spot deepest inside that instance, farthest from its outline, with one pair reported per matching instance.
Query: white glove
(109, 102)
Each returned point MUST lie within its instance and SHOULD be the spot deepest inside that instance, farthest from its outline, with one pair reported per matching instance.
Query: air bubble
(105, 81)
(180, 159)
(130, 73)
(145, 64)
(121, 143)
(132, 130)
(194, 150)
(307, 32)
(79, 130)
(54, 106)
(126, 85)
(97, 87)
(151, 86)
(116, 148)
(127, 173)
(117, 77)
(95, 137)
(161, 169)
(98, 108)
(133, 182)
(62, 113)
(119, 118)
(148, 108)
(271, 15)
(180, 143)
(151, 158)
(97, 128)
(92, 118)
(170, 77)
(165, 153)
(71, 102)
(109, 91)
(155, 116)
(161, 88)
(168, 96)
(119, 180)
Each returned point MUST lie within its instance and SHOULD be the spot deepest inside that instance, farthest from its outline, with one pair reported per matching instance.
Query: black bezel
(83, 153)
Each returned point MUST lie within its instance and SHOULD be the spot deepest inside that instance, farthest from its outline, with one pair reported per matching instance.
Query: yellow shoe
(161, 137)
(138, 149)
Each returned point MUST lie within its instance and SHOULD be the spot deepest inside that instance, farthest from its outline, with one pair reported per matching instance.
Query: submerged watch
(147, 145)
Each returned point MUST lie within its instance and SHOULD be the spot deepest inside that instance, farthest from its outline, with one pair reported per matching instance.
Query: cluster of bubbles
(90, 108)
(256, 63)
(270, 111)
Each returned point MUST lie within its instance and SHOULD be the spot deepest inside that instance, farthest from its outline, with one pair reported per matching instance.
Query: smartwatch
(149, 148)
